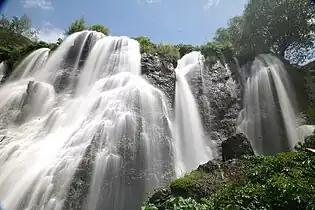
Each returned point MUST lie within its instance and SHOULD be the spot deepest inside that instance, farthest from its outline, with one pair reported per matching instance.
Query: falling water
(188, 126)
(81, 129)
(305, 131)
(269, 115)
(2, 70)
(31, 64)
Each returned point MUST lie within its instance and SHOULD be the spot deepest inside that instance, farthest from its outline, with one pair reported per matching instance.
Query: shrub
(168, 50)
(309, 142)
(146, 45)
(283, 181)
(185, 49)
(99, 28)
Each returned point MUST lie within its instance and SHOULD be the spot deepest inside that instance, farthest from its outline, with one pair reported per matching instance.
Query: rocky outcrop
(236, 146)
(217, 95)
(160, 73)
(218, 99)
(201, 183)
(209, 177)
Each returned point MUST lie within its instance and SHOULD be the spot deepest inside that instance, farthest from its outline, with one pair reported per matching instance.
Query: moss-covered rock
(199, 184)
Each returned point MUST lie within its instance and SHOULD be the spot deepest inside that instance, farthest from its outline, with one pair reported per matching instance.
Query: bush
(283, 181)
(168, 51)
(215, 51)
(309, 142)
(99, 28)
(185, 49)
(146, 45)
(186, 204)
(186, 185)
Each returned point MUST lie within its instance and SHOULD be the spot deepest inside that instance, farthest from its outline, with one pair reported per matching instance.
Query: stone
(235, 147)
(216, 96)
(160, 73)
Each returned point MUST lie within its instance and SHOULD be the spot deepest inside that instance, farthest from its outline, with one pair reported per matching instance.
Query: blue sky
(168, 21)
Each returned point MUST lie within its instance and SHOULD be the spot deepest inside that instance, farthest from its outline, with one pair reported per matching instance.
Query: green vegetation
(80, 25)
(168, 51)
(20, 26)
(18, 39)
(99, 28)
(76, 26)
(284, 181)
(267, 26)
(15, 34)
(213, 51)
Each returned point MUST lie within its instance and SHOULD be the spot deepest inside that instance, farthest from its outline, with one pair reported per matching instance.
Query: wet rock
(160, 73)
(235, 147)
(9, 64)
(218, 100)
(62, 82)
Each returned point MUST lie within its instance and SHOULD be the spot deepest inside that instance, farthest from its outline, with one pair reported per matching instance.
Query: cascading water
(82, 129)
(269, 115)
(29, 66)
(188, 126)
(2, 70)
(304, 131)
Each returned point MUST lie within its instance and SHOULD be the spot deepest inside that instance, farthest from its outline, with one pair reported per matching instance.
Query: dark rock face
(235, 147)
(218, 100)
(223, 95)
(216, 93)
(160, 73)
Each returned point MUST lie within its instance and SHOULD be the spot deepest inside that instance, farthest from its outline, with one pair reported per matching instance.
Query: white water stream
(81, 129)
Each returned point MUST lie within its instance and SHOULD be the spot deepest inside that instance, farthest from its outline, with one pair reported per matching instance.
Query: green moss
(182, 185)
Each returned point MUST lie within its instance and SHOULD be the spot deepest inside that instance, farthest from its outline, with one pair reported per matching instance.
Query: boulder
(235, 147)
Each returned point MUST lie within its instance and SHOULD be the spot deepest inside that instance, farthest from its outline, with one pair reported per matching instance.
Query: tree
(21, 26)
(76, 26)
(268, 26)
(232, 34)
(80, 25)
(99, 28)
(279, 25)
(145, 44)
(185, 49)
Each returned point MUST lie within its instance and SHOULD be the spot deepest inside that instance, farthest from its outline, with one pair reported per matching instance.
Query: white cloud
(50, 33)
(149, 1)
(43, 4)
(211, 3)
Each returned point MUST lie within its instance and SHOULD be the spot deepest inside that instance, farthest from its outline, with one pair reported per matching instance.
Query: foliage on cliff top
(10, 40)
(213, 51)
(284, 181)
(284, 28)
(18, 26)
(80, 25)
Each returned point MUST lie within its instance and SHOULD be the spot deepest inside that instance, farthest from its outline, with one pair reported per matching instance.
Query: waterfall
(81, 129)
(31, 64)
(305, 131)
(2, 70)
(188, 126)
(269, 115)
